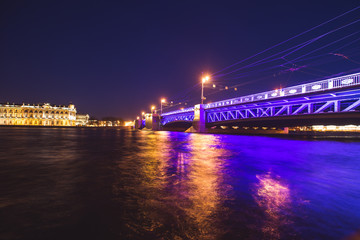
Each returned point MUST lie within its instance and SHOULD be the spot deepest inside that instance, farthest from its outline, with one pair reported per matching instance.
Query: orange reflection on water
(177, 185)
(274, 197)
(205, 178)
(148, 183)
(154, 155)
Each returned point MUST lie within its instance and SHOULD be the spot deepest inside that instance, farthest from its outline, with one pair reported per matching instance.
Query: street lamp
(152, 108)
(204, 79)
(163, 100)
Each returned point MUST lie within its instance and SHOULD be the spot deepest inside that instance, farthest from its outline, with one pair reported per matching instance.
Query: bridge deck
(335, 95)
(332, 84)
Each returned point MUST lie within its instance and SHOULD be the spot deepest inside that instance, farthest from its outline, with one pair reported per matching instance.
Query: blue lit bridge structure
(329, 101)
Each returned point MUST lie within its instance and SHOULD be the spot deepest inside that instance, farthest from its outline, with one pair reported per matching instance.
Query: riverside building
(82, 120)
(37, 115)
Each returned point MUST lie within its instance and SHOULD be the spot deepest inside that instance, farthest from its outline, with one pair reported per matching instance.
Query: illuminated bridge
(329, 101)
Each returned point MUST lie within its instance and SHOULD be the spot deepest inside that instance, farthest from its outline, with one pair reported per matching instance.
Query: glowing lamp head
(137, 118)
(163, 100)
(152, 107)
(143, 113)
(205, 79)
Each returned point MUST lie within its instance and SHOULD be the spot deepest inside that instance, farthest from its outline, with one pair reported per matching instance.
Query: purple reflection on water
(111, 184)
(278, 188)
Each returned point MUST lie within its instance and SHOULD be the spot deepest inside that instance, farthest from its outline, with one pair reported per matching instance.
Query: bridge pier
(155, 122)
(152, 121)
(199, 119)
(137, 123)
(148, 121)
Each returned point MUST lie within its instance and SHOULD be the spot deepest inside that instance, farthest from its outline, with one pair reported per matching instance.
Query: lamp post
(152, 109)
(204, 79)
(163, 100)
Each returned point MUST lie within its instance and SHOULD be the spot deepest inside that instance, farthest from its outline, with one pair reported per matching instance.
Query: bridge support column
(152, 121)
(137, 123)
(199, 118)
(148, 121)
(155, 122)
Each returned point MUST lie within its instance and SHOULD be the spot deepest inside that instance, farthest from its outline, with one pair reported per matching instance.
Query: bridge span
(329, 101)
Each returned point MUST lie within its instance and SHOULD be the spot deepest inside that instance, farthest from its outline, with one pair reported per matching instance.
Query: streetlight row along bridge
(329, 101)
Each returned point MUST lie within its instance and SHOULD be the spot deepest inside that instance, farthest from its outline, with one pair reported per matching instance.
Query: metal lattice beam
(290, 109)
(339, 95)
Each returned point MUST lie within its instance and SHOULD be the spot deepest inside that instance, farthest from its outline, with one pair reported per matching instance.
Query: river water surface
(89, 183)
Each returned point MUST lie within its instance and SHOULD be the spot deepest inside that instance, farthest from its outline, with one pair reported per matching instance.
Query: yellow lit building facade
(37, 115)
(82, 120)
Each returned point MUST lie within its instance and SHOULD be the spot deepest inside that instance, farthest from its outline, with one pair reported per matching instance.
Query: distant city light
(352, 128)
(129, 124)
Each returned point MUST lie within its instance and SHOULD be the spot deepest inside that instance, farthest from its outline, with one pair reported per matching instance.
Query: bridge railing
(187, 116)
(191, 109)
(318, 86)
(322, 85)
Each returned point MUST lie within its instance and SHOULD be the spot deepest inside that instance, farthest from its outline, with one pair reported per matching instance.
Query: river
(98, 183)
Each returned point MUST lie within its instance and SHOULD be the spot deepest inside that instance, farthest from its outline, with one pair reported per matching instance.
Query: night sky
(118, 58)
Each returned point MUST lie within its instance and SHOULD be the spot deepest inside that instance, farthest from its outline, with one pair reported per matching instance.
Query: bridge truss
(331, 84)
(341, 102)
(339, 96)
(183, 117)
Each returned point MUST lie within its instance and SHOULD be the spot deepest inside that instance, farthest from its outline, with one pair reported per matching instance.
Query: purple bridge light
(335, 95)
